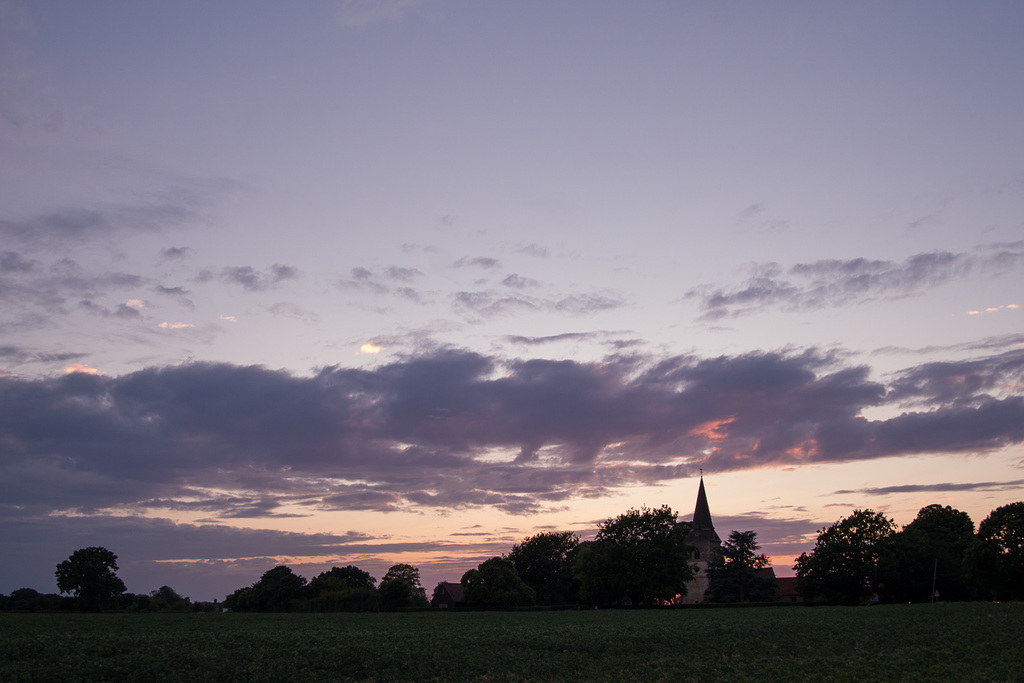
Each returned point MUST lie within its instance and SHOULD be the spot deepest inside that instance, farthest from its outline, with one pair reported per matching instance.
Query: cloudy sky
(378, 281)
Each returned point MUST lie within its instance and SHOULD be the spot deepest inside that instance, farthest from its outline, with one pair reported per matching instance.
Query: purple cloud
(423, 431)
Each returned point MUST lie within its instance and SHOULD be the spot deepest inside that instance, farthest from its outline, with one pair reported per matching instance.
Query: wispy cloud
(77, 225)
(392, 281)
(829, 283)
(484, 262)
(249, 278)
(490, 304)
(937, 488)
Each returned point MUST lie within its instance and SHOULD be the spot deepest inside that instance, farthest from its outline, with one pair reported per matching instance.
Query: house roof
(453, 589)
(703, 528)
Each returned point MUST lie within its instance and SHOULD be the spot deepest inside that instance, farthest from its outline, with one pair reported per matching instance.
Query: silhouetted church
(707, 543)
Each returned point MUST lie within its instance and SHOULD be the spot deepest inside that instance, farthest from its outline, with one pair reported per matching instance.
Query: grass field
(974, 641)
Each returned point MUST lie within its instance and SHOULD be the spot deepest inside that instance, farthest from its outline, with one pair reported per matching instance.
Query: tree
(343, 589)
(637, 558)
(278, 590)
(496, 583)
(341, 578)
(166, 599)
(843, 566)
(734, 571)
(927, 555)
(995, 559)
(90, 575)
(31, 600)
(544, 563)
(401, 587)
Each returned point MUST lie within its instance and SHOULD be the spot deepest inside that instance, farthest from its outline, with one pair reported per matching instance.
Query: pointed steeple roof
(703, 528)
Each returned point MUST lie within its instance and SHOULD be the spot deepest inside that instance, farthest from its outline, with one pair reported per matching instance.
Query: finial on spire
(701, 472)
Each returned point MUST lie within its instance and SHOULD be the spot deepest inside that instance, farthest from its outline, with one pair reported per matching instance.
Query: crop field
(974, 641)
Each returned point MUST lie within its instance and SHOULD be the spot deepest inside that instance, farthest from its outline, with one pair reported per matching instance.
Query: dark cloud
(13, 262)
(950, 382)
(176, 253)
(828, 283)
(424, 431)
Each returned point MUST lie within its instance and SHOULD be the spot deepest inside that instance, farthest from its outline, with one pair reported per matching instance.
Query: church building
(707, 543)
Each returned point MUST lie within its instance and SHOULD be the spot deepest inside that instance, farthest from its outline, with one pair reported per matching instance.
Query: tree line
(638, 558)
(88, 581)
(866, 558)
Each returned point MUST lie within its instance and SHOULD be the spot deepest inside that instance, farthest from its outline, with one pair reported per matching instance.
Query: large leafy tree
(637, 558)
(996, 558)
(495, 583)
(843, 566)
(735, 571)
(926, 556)
(278, 590)
(343, 589)
(544, 563)
(341, 578)
(90, 574)
(401, 587)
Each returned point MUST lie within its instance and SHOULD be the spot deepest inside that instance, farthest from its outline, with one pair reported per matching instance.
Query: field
(979, 641)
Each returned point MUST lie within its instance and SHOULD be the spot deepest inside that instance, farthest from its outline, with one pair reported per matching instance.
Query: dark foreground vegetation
(954, 641)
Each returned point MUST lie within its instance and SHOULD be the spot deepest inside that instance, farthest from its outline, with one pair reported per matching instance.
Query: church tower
(707, 543)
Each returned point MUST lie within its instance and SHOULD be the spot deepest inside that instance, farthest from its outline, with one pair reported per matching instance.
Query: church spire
(702, 513)
(703, 528)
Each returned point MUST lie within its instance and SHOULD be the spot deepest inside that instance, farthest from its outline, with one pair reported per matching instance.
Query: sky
(379, 281)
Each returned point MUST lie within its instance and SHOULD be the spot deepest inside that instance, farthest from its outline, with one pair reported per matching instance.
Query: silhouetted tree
(401, 588)
(341, 577)
(278, 590)
(31, 600)
(90, 575)
(843, 566)
(734, 571)
(928, 552)
(166, 599)
(495, 583)
(995, 559)
(544, 563)
(637, 558)
(343, 589)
